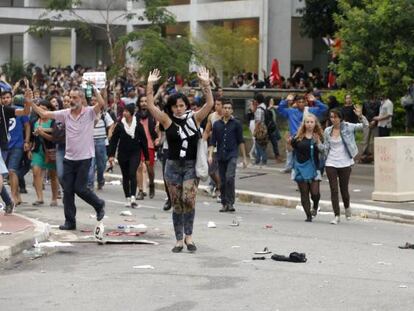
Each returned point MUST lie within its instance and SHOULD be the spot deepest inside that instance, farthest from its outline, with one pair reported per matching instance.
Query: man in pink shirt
(80, 148)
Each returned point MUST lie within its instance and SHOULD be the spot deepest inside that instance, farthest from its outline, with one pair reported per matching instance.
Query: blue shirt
(227, 137)
(16, 131)
(295, 116)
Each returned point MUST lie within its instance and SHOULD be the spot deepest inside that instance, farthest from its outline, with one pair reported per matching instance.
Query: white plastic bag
(201, 162)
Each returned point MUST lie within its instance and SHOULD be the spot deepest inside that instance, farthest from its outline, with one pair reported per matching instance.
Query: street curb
(276, 200)
(40, 233)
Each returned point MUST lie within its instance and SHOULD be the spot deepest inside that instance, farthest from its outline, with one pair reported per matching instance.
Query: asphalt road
(353, 266)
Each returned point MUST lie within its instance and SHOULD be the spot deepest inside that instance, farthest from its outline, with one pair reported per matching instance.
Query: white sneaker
(133, 202)
(348, 213)
(336, 220)
(128, 202)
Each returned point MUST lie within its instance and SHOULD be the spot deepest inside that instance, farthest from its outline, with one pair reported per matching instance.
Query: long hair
(302, 129)
(172, 101)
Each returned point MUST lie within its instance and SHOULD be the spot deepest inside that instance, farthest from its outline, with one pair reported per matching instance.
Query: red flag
(331, 79)
(275, 78)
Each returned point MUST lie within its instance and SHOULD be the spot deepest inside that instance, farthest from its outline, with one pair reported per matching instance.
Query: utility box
(394, 169)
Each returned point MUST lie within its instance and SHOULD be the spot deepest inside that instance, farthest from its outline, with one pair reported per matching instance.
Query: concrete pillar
(394, 168)
(36, 50)
(263, 34)
(73, 42)
(5, 49)
(279, 34)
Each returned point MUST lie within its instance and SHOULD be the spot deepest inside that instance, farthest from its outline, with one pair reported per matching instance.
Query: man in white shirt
(384, 118)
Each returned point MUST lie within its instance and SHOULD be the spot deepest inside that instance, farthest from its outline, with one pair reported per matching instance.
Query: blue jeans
(60, 155)
(261, 156)
(274, 139)
(99, 161)
(13, 159)
(289, 160)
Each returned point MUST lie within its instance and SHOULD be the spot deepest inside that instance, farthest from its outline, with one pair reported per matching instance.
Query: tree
(171, 55)
(318, 17)
(229, 50)
(377, 52)
(53, 16)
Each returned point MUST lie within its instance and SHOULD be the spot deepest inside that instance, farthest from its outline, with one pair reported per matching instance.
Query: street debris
(293, 257)
(211, 224)
(86, 231)
(144, 267)
(376, 244)
(99, 232)
(54, 226)
(384, 263)
(5, 233)
(259, 258)
(403, 286)
(122, 233)
(235, 223)
(265, 251)
(206, 203)
(114, 182)
(268, 226)
(407, 246)
(129, 220)
(356, 190)
(235, 246)
(52, 244)
(125, 213)
(33, 253)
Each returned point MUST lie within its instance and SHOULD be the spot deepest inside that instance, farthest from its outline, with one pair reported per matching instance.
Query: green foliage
(14, 70)
(230, 50)
(61, 5)
(169, 55)
(157, 14)
(317, 20)
(377, 56)
(340, 96)
(318, 17)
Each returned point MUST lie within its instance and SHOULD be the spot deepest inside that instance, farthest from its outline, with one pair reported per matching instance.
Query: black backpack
(268, 121)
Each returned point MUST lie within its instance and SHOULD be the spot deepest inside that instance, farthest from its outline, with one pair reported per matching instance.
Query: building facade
(276, 24)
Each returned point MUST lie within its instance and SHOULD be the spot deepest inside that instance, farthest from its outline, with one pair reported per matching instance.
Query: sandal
(264, 252)
(37, 203)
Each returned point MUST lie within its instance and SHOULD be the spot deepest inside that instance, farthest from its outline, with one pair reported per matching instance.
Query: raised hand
(290, 97)
(358, 111)
(204, 76)
(154, 76)
(28, 95)
(311, 98)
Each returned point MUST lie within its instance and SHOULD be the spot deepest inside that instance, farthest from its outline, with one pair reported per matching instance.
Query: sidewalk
(18, 232)
(268, 185)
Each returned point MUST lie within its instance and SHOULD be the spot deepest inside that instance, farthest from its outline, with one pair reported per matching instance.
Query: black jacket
(126, 145)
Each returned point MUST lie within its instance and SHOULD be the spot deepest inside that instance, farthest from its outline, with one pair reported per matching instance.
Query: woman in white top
(340, 147)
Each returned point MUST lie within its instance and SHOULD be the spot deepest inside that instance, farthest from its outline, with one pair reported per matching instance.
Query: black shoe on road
(151, 191)
(167, 205)
(224, 209)
(140, 195)
(230, 208)
(67, 226)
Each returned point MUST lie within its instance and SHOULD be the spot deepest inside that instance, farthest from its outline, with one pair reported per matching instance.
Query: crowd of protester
(68, 131)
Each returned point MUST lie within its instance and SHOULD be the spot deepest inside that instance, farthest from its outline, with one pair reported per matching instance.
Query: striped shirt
(99, 130)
